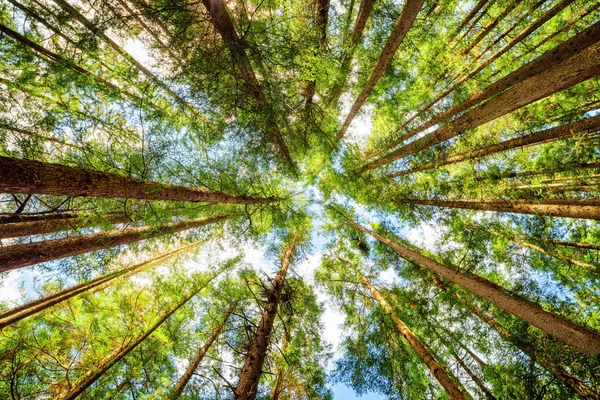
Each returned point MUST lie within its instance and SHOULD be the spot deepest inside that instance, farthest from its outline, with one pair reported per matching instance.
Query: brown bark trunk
(22, 255)
(42, 216)
(76, 15)
(576, 69)
(40, 19)
(35, 306)
(42, 227)
(541, 358)
(569, 332)
(108, 362)
(247, 385)
(321, 25)
(568, 208)
(144, 25)
(279, 377)
(403, 24)
(366, 6)
(534, 139)
(474, 377)
(221, 20)
(566, 168)
(189, 372)
(470, 16)
(29, 176)
(434, 367)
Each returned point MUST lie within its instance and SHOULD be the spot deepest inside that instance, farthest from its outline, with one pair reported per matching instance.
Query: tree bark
(474, 377)
(29, 176)
(189, 372)
(470, 16)
(279, 376)
(403, 24)
(576, 69)
(565, 168)
(567, 208)
(434, 367)
(533, 139)
(53, 225)
(321, 24)
(22, 255)
(33, 307)
(107, 363)
(567, 331)
(247, 385)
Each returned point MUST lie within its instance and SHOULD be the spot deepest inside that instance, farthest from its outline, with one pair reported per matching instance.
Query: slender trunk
(565, 168)
(189, 372)
(403, 24)
(534, 139)
(42, 216)
(54, 225)
(434, 367)
(576, 69)
(33, 307)
(92, 27)
(511, 6)
(474, 377)
(221, 20)
(247, 385)
(37, 135)
(22, 255)
(29, 176)
(321, 25)
(107, 363)
(279, 376)
(568, 208)
(541, 357)
(569, 332)
(366, 6)
(470, 16)
(124, 383)
(547, 252)
(589, 246)
(42, 20)
(144, 25)
(61, 60)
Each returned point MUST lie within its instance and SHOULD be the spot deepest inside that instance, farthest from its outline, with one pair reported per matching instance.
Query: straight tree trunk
(33, 307)
(20, 229)
(366, 6)
(533, 139)
(221, 20)
(403, 24)
(566, 168)
(576, 69)
(38, 135)
(321, 25)
(41, 20)
(567, 331)
(107, 363)
(247, 385)
(434, 367)
(470, 16)
(36, 177)
(22, 255)
(279, 376)
(552, 57)
(473, 376)
(567, 208)
(92, 27)
(189, 372)
(36, 217)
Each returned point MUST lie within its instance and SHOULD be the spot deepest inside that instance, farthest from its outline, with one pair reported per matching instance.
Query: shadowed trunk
(29, 176)
(403, 24)
(22, 255)
(279, 376)
(434, 367)
(569, 332)
(52, 225)
(247, 385)
(534, 139)
(35, 306)
(189, 372)
(321, 25)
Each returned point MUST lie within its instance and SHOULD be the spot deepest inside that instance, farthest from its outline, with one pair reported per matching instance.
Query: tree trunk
(576, 69)
(42, 216)
(534, 139)
(22, 255)
(321, 25)
(107, 363)
(434, 367)
(403, 24)
(221, 20)
(569, 332)
(470, 16)
(567, 208)
(189, 372)
(474, 377)
(247, 385)
(92, 27)
(29, 176)
(43, 21)
(366, 6)
(565, 168)
(279, 376)
(33, 307)
(541, 358)
(54, 225)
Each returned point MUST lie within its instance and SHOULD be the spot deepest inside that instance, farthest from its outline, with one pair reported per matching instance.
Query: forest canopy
(277, 199)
